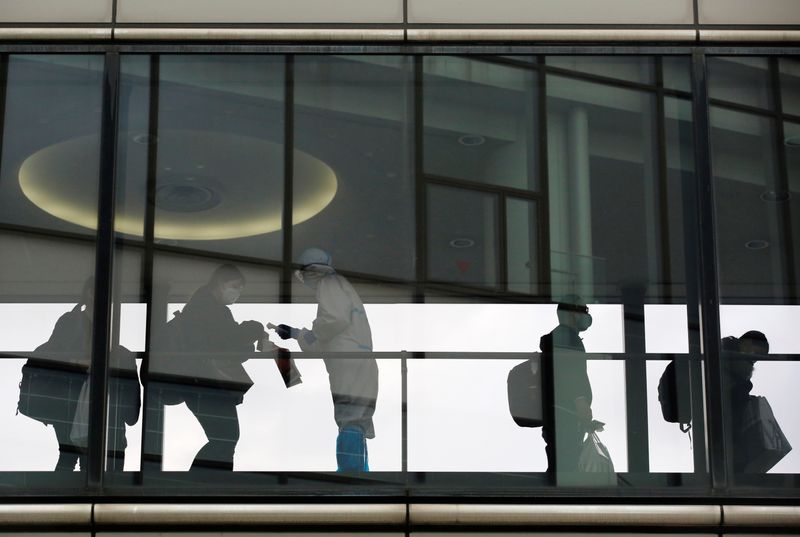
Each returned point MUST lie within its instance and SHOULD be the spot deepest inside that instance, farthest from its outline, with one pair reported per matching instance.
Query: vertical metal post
(421, 243)
(104, 258)
(691, 250)
(635, 381)
(152, 411)
(285, 290)
(288, 185)
(708, 288)
(3, 83)
(543, 207)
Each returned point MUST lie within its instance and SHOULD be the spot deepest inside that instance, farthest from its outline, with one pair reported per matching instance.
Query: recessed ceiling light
(462, 243)
(756, 244)
(471, 140)
(775, 196)
(792, 141)
(141, 138)
(186, 198)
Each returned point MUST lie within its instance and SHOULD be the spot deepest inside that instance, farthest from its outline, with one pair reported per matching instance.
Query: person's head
(572, 311)
(226, 283)
(753, 342)
(314, 263)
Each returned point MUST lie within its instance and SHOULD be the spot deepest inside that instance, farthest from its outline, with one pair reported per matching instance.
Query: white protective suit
(342, 327)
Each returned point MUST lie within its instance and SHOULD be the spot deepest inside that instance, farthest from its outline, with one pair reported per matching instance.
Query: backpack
(674, 394)
(525, 393)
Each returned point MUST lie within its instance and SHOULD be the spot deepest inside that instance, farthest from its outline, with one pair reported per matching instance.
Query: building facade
(623, 176)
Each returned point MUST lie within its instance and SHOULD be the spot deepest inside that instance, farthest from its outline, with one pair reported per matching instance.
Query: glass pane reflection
(49, 178)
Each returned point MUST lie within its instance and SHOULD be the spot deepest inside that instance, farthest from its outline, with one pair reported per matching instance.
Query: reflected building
(466, 174)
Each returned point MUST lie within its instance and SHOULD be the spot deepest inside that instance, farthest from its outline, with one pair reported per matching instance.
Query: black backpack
(525, 393)
(675, 394)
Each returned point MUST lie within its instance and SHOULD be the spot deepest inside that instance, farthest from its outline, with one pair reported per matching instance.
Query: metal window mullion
(104, 258)
(784, 212)
(288, 172)
(543, 207)
(3, 83)
(421, 245)
(420, 182)
(502, 242)
(662, 177)
(148, 260)
(709, 298)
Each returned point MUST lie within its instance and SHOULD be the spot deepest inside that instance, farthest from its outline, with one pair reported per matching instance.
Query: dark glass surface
(49, 176)
(470, 215)
(479, 122)
(740, 79)
(756, 200)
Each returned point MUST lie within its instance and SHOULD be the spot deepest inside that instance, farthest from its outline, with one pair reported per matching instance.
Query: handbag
(48, 395)
(595, 462)
(79, 434)
(763, 441)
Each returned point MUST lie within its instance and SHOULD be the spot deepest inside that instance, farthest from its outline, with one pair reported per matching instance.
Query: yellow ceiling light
(210, 185)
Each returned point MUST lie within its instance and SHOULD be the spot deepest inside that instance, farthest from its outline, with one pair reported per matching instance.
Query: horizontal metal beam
(71, 33)
(250, 514)
(552, 34)
(564, 515)
(344, 514)
(73, 514)
(761, 515)
(749, 36)
(428, 34)
(259, 34)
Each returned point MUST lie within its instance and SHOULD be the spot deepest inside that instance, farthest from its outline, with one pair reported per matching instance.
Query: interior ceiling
(370, 224)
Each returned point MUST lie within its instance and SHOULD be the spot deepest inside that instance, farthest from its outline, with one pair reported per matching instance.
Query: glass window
(790, 85)
(310, 250)
(49, 176)
(741, 79)
(632, 68)
(754, 256)
(463, 241)
(479, 122)
(522, 256)
(202, 137)
(352, 161)
(756, 203)
(677, 72)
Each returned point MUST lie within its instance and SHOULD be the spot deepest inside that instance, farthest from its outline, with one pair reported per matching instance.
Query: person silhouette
(51, 386)
(568, 392)
(341, 327)
(209, 330)
(738, 366)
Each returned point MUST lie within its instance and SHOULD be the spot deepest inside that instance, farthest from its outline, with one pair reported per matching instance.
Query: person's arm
(333, 315)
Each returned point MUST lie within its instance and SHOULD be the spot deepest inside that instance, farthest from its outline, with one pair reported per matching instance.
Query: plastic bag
(763, 440)
(595, 462)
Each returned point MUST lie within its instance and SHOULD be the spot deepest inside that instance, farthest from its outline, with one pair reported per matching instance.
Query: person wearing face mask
(738, 364)
(209, 329)
(568, 393)
(341, 327)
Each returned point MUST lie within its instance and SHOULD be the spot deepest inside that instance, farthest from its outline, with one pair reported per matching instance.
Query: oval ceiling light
(239, 192)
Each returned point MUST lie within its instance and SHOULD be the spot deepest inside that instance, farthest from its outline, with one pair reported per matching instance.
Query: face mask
(583, 322)
(230, 295)
(309, 278)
